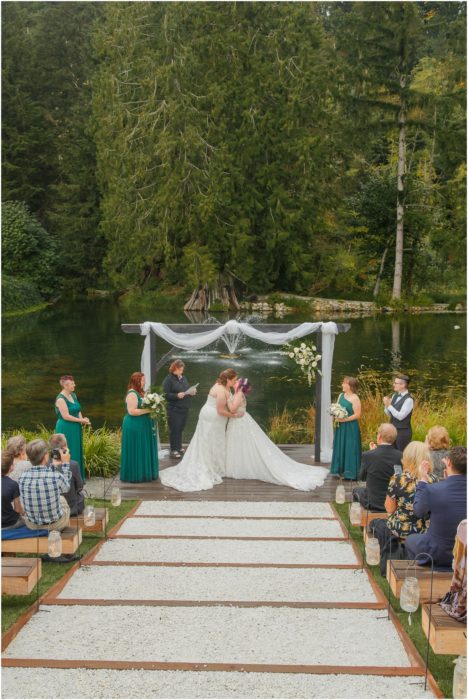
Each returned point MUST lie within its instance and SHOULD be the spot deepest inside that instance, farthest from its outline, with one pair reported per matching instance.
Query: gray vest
(397, 403)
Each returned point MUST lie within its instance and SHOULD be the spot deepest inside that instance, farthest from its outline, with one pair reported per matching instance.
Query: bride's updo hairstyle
(226, 376)
(244, 385)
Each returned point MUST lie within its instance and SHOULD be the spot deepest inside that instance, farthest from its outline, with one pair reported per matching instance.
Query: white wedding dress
(250, 454)
(202, 466)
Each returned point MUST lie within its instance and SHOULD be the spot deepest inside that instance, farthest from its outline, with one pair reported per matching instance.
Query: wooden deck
(240, 489)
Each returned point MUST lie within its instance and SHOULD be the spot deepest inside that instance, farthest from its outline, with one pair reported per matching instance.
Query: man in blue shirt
(41, 489)
(445, 502)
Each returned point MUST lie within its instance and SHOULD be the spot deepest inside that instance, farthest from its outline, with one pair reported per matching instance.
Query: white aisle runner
(224, 605)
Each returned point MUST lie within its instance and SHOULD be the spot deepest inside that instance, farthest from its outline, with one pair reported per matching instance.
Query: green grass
(441, 666)
(15, 605)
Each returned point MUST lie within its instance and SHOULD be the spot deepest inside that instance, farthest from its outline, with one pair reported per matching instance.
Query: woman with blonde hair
(401, 520)
(16, 445)
(438, 442)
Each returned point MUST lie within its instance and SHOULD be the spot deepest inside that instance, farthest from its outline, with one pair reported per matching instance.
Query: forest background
(306, 147)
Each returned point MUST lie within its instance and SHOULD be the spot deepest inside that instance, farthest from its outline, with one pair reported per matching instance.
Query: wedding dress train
(202, 466)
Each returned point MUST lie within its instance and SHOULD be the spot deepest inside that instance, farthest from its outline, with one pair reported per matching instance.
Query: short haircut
(66, 378)
(438, 438)
(177, 364)
(387, 432)
(7, 461)
(36, 451)
(16, 445)
(403, 377)
(58, 440)
(457, 457)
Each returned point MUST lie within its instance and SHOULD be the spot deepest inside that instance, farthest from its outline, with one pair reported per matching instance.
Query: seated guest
(402, 521)
(377, 468)
(17, 445)
(445, 503)
(75, 496)
(438, 442)
(11, 504)
(454, 601)
(41, 487)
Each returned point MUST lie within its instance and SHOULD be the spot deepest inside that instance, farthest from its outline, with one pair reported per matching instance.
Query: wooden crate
(71, 539)
(19, 576)
(447, 635)
(102, 518)
(398, 570)
(368, 518)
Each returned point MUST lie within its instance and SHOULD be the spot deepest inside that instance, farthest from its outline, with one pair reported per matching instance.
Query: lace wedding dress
(250, 454)
(202, 466)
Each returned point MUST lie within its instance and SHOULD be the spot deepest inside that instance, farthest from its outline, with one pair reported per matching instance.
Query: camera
(56, 453)
(397, 469)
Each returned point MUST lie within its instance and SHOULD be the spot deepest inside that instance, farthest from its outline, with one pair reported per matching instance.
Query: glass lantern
(89, 516)
(372, 551)
(459, 677)
(340, 495)
(54, 544)
(116, 496)
(355, 513)
(409, 595)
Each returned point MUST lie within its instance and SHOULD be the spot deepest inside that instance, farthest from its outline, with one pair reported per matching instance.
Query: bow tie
(398, 396)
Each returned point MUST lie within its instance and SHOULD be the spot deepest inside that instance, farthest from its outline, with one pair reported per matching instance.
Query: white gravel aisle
(219, 527)
(228, 551)
(246, 509)
(217, 634)
(219, 583)
(84, 683)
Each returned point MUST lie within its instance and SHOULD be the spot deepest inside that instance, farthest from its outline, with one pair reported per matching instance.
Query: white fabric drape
(195, 341)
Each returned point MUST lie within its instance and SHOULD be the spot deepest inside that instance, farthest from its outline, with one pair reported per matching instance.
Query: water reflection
(85, 339)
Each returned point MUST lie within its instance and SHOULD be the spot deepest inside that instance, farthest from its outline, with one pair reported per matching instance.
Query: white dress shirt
(405, 409)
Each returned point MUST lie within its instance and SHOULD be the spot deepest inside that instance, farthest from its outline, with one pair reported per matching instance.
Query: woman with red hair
(139, 457)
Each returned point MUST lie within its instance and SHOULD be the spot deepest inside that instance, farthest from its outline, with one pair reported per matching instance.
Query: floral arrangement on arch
(306, 357)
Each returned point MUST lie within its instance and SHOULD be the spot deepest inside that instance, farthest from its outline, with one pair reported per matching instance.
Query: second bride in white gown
(250, 454)
(203, 463)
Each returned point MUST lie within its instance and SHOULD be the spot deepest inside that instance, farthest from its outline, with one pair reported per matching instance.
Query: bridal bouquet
(337, 411)
(306, 357)
(156, 404)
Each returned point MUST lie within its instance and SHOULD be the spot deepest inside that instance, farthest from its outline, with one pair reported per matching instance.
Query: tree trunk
(398, 274)
(380, 273)
(204, 297)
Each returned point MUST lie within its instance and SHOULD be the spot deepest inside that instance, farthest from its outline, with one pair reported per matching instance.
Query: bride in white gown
(250, 454)
(203, 463)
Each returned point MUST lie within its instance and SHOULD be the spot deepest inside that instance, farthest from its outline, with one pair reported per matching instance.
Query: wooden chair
(71, 539)
(20, 575)
(447, 635)
(397, 570)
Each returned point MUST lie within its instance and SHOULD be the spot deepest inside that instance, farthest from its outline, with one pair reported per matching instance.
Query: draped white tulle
(202, 466)
(195, 341)
(250, 454)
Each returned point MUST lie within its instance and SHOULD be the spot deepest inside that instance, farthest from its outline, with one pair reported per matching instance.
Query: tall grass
(429, 410)
(101, 447)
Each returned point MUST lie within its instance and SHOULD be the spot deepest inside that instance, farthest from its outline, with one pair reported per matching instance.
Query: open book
(192, 391)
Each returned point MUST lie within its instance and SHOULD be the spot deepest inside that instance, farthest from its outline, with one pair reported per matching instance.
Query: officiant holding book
(178, 394)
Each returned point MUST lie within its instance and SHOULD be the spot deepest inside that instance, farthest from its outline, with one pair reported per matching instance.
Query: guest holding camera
(70, 420)
(75, 496)
(175, 387)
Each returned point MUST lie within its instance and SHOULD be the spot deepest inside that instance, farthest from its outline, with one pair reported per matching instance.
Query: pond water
(84, 339)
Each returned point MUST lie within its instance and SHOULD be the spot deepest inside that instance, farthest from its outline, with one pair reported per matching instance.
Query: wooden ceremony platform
(241, 489)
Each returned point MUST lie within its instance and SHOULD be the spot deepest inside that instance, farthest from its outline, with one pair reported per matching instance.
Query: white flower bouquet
(156, 404)
(337, 411)
(306, 357)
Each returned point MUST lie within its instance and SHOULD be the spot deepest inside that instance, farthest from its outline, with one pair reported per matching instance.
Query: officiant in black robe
(175, 387)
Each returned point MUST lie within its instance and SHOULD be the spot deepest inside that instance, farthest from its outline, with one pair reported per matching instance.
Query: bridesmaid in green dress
(70, 420)
(139, 458)
(346, 458)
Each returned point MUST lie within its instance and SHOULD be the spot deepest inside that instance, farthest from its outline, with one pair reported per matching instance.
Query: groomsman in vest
(400, 408)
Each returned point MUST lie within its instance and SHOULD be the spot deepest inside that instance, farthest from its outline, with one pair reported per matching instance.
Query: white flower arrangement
(337, 411)
(156, 403)
(306, 357)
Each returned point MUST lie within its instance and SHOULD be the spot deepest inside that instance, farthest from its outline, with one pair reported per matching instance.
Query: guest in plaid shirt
(41, 487)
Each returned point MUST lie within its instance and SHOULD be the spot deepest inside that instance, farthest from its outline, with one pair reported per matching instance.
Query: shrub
(27, 246)
(292, 427)
(19, 294)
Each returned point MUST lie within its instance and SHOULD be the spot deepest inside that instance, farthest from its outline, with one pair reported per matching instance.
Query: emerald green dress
(346, 458)
(139, 458)
(71, 430)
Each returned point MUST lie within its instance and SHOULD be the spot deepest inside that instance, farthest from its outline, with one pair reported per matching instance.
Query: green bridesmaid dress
(346, 458)
(71, 430)
(139, 458)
